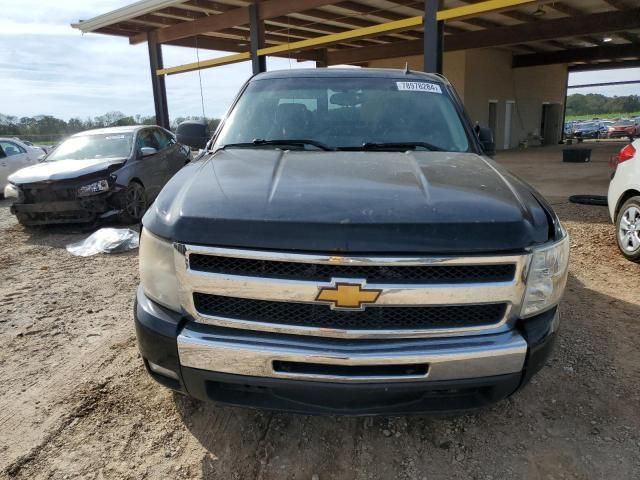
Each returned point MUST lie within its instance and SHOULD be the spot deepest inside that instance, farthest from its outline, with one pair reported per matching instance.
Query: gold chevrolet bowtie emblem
(347, 296)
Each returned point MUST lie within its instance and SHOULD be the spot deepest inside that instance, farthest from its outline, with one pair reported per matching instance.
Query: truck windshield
(91, 147)
(345, 113)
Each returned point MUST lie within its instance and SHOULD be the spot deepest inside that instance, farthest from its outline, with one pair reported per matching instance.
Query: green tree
(49, 129)
(597, 104)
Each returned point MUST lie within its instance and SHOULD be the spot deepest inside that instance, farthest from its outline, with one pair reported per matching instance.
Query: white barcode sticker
(419, 87)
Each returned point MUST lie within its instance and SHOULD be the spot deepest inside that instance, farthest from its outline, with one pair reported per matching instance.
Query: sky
(49, 68)
(604, 76)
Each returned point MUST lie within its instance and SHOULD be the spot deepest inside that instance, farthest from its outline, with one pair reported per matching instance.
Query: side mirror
(485, 135)
(193, 133)
(148, 151)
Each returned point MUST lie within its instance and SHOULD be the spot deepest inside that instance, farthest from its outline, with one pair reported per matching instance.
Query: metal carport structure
(584, 34)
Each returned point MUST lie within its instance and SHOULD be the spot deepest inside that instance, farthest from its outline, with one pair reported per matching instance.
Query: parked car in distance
(568, 129)
(97, 173)
(40, 148)
(44, 148)
(345, 244)
(586, 130)
(15, 155)
(623, 128)
(624, 201)
(604, 128)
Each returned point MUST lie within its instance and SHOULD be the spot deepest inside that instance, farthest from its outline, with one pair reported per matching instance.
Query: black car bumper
(587, 135)
(158, 329)
(57, 212)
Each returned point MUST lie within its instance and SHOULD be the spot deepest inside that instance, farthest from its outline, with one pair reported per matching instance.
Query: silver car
(14, 155)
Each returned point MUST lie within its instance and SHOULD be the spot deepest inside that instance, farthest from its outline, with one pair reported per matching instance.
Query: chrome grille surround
(321, 272)
(397, 295)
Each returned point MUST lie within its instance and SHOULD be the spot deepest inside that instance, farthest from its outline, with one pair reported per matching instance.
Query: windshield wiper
(294, 142)
(399, 145)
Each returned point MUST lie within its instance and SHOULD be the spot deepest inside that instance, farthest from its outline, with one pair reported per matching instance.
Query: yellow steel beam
(395, 26)
(214, 62)
(398, 25)
(374, 30)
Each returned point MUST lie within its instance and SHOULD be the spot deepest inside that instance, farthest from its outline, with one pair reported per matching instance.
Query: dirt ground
(76, 403)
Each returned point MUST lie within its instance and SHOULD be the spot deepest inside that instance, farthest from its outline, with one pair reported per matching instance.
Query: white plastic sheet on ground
(105, 240)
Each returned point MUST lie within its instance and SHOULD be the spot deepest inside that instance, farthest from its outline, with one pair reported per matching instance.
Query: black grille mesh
(321, 316)
(49, 194)
(373, 274)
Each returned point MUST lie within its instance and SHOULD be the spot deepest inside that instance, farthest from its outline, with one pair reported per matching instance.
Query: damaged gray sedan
(97, 174)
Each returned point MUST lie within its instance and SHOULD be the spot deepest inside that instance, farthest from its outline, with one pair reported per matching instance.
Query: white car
(624, 201)
(43, 148)
(15, 155)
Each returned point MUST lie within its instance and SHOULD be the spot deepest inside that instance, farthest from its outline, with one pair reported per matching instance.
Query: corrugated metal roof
(335, 17)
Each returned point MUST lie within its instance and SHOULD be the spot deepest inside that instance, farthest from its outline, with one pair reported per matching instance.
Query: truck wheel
(628, 229)
(133, 201)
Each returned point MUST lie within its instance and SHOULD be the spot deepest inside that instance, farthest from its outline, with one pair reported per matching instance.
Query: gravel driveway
(75, 402)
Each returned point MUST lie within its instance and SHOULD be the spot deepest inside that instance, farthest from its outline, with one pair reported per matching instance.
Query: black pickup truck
(345, 245)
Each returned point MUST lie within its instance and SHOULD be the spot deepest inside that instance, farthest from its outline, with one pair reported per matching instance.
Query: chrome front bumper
(250, 348)
(239, 367)
(250, 354)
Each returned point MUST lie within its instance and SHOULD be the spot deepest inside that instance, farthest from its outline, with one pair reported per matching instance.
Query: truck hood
(62, 170)
(349, 202)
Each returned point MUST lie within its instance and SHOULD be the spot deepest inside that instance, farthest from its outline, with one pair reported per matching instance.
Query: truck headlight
(158, 270)
(93, 188)
(547, 277)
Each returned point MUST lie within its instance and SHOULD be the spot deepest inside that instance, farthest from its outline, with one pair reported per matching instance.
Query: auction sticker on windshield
(419, 87)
